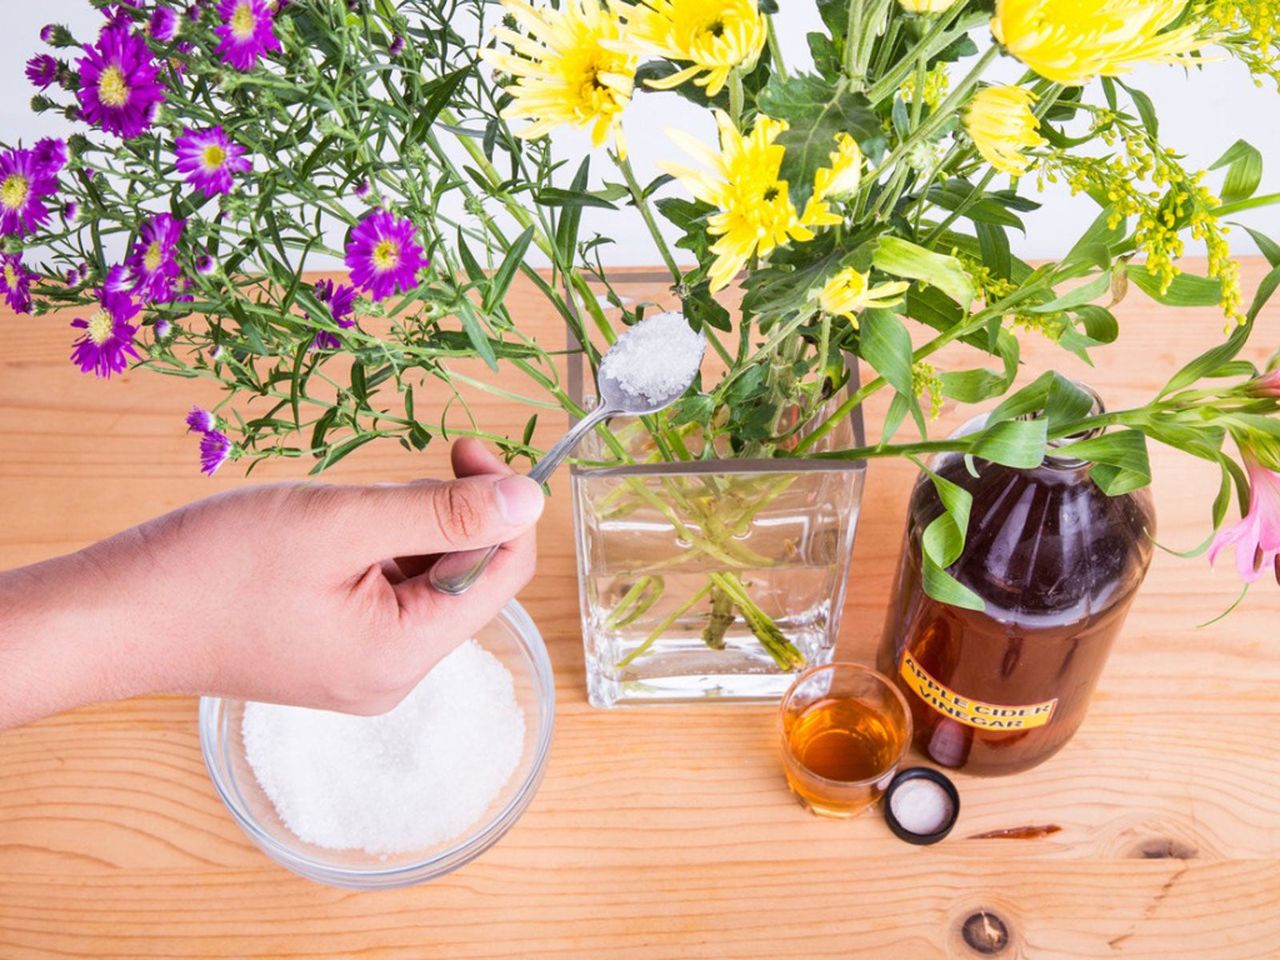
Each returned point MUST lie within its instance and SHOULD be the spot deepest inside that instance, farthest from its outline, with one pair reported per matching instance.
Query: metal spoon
(454, 573)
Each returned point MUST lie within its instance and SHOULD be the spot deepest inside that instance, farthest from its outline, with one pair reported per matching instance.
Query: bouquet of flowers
(223, 146)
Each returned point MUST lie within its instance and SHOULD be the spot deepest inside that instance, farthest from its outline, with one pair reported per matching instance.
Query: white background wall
(1201, 114)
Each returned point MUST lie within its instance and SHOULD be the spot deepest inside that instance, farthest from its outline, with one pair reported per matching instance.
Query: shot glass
(845, 729)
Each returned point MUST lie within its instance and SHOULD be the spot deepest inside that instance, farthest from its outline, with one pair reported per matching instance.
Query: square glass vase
(711, 580)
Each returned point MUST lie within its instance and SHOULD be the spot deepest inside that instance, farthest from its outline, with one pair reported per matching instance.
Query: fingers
(443, 621)
(472, 458)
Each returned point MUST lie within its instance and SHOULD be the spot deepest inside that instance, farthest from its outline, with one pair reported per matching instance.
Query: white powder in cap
(656, 358)
(920, 806)
(419, 775)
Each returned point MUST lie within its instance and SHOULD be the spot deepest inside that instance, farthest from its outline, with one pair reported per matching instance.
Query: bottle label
(966, 710)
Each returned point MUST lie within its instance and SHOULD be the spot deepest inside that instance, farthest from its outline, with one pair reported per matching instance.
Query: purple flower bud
(205, 265)
(162, 329)
(201, 421)
(48, 32)
(70, 210)
(362, 189)
(397, 46)
(163, 25)
(42, 71)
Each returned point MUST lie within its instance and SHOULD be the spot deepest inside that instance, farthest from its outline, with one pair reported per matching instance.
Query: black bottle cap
(944, 794)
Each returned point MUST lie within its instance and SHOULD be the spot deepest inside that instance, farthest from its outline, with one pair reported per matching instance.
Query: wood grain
(658, 832)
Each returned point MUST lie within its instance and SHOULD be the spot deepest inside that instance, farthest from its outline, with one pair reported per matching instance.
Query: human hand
(298, 593)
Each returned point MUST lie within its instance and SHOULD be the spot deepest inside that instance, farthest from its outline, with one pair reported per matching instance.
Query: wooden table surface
(657, 832)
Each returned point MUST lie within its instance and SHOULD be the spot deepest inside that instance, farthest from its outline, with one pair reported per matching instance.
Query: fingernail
(520, 500)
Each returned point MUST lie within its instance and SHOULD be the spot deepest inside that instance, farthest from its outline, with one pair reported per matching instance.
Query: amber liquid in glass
(845, 740)
(1057, 563)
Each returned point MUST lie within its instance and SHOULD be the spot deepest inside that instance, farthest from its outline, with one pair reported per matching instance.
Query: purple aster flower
(153, 265)
(341, 300)
(383, 255)
(207, 159)
(119, 90)
(201, 421)
(24, 182)
(162, 329)
(214, 450)
(108, 336)
(15, 282)
(51, 155)
(42, 70)
(163, 25)
(246, 31)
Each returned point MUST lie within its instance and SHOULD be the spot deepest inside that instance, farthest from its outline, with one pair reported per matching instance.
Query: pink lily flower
(1265, 385)
(1256, 536)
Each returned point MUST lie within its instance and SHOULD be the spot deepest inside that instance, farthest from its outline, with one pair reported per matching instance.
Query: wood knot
(1164, 848)
(985, 933)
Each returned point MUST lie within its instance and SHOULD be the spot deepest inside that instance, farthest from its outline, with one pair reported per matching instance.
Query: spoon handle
(454, 573)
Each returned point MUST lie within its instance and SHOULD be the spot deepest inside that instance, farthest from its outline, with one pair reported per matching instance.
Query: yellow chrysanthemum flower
(566, 70)
(844, 176)
(755, 213)
(1002, 126)
(927, 6)
(712, 36)
(850, 290)
(1073, 41)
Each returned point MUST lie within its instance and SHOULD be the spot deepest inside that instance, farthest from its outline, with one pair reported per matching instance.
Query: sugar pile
(655, 358)
(414, 777)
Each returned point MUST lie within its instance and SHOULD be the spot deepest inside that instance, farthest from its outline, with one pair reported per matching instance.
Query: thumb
(470, 512)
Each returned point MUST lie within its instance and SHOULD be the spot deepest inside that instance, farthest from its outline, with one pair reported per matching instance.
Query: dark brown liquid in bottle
(1057, 562)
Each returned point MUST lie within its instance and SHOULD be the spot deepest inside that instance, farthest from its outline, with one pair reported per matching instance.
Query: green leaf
(1186, 290)
(696, 408)
(571, 218)
(1012, 443)
(1146, 109)
(816, 110)
(942, 543)
(1244, 171)
(436, 95)
(476, 334)
(334, 454)
(1076, 297)
(886, 345)
(556, 197)
(1120, 460)
(972, 386)
(506, 272)
(902, 258)
(1266, 246)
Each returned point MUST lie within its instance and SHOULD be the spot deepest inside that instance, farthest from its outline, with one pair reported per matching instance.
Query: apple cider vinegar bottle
(1058, 563)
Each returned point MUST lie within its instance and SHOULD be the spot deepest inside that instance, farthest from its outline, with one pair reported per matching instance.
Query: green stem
(775, 49)
(662, 627)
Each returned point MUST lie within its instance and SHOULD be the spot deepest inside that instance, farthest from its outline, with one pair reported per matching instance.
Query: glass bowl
(514, 640)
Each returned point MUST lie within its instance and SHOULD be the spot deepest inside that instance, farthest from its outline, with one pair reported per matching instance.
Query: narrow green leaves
(506, 272)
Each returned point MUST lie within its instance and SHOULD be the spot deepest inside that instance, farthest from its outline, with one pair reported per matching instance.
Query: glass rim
(884, 680)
